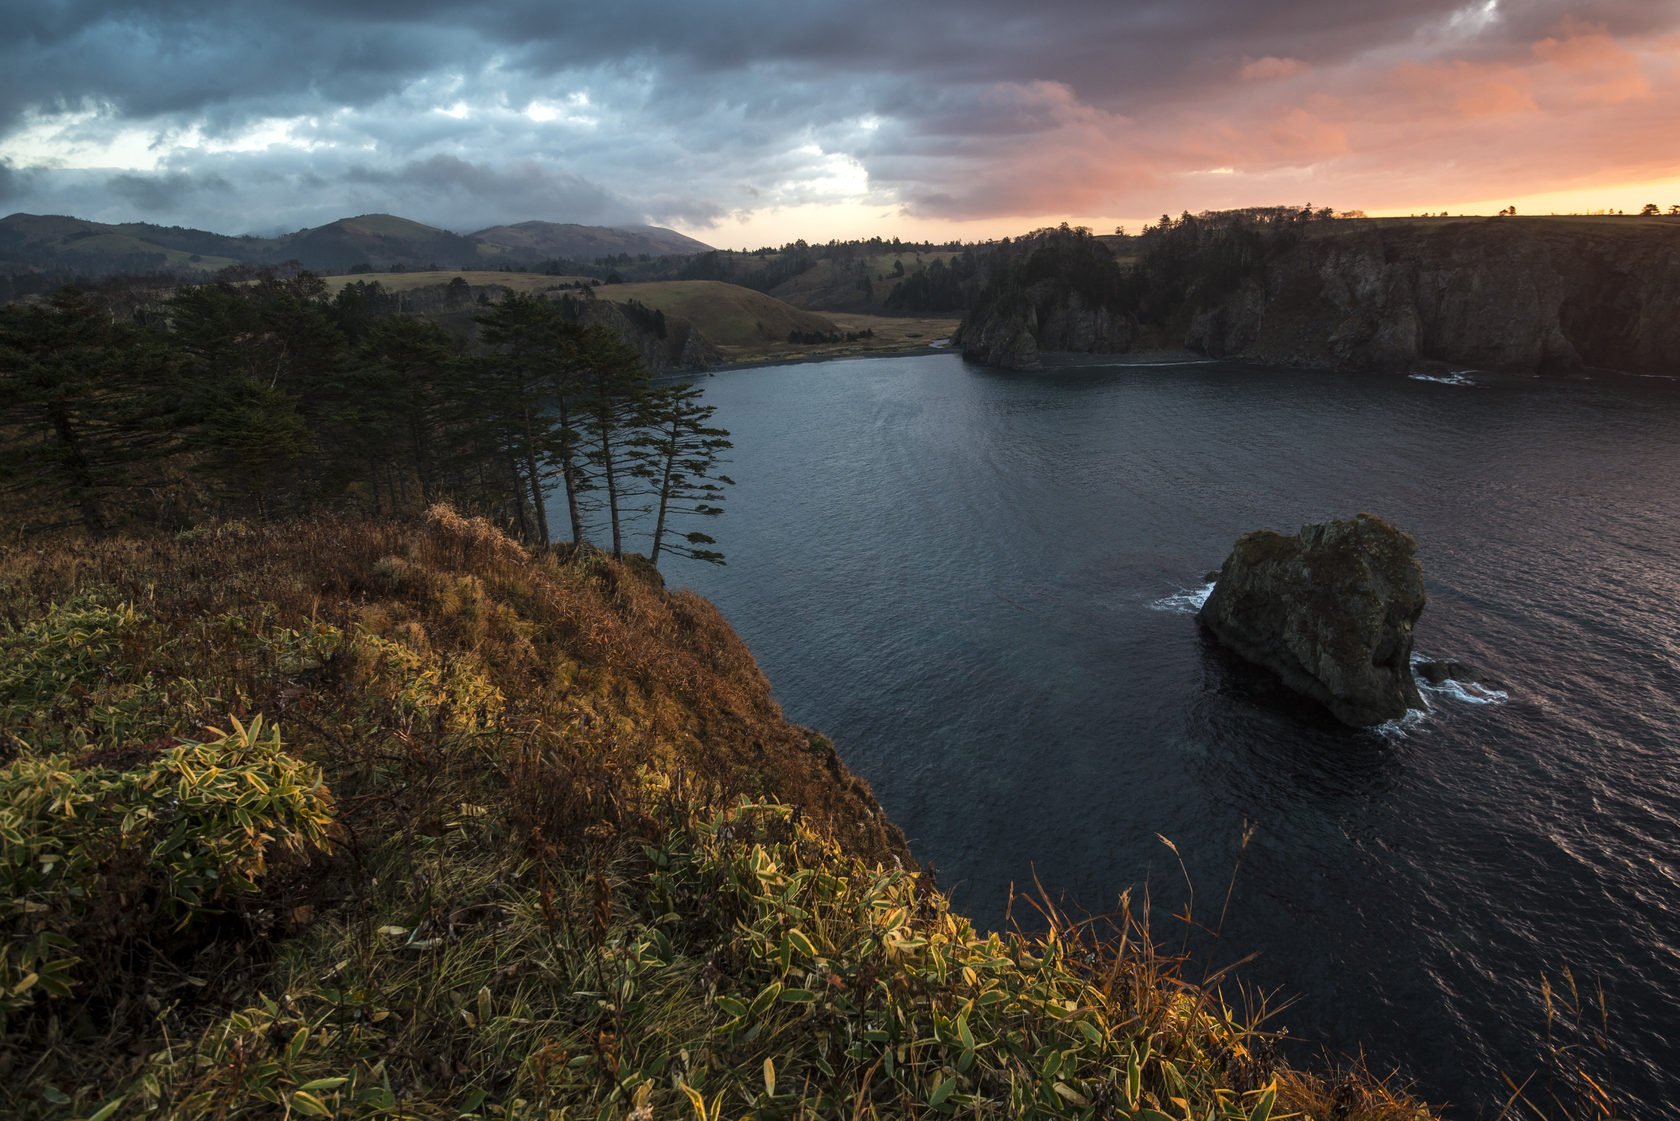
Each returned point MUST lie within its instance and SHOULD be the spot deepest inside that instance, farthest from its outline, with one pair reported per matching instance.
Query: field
(121, 243)
(732, 317)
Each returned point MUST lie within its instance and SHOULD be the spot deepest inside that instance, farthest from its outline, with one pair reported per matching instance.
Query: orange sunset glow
(745, 130)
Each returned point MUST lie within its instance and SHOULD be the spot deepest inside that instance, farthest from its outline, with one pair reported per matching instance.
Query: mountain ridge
(65, 243)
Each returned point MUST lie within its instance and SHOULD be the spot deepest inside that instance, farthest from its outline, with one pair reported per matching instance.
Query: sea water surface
(981, 585)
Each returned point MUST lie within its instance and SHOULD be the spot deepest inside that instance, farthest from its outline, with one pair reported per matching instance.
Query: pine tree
(87, 414)
(677, 453)
(615, 384)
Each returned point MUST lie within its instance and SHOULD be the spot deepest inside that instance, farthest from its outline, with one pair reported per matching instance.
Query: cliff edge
(1518, 295)
(1508, 294)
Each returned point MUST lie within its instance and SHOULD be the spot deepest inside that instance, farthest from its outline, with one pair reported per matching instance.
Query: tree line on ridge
(270, 399)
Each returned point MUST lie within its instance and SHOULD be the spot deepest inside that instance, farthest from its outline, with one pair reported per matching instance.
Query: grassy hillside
(114, 243)
(861, 277)
(380, 240)
(713, 308)
(538, 241)
(729, 315)
(355, 820)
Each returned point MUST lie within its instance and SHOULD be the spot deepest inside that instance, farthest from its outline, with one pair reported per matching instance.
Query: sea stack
(1329, 610)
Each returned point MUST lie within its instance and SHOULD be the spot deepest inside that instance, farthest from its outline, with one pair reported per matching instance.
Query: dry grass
(732, 317)
(580, 867)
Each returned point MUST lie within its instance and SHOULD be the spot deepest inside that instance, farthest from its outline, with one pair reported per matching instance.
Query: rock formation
(1046, 317)
(1330, 611)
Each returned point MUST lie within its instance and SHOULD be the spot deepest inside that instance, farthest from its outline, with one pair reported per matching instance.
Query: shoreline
(1058, 360)
(922, 351)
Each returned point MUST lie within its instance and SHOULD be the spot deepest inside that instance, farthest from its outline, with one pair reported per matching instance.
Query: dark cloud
(13, 183)
(259, 60)
(501, 194)
(684, 111)
(163, 193)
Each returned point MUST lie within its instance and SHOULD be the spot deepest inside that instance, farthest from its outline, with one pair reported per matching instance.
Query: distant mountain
(529, 241)
(379, 240)
(35, 243)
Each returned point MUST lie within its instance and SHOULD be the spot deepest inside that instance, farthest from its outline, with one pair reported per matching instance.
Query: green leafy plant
(87, 855)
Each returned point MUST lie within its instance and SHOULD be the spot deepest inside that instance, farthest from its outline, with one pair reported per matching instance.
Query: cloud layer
(263, 118)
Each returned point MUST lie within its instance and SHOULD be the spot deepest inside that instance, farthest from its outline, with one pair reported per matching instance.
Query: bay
(979, 584)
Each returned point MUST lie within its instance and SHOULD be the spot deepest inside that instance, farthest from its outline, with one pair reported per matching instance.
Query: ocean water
(982, 584)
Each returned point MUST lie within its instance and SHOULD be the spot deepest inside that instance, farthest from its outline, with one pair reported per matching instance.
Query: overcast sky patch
(264, 118)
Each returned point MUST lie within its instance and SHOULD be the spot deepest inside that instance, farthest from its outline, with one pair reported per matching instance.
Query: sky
(755, 122)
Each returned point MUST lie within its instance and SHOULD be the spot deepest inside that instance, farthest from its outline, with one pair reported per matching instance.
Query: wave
(1464, 692)
(1185, 601)
(1457, 377)
(1457, 692)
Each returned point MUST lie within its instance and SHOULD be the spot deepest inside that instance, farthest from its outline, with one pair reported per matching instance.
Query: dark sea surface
(980, 584)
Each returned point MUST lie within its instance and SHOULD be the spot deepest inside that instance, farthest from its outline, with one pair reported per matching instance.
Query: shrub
(65, 671)
(88, 856)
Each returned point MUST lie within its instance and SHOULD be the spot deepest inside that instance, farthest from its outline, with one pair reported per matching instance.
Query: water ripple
(977, 583)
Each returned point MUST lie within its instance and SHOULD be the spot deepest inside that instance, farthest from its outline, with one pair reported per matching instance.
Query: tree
(413, 411)
(1649, 210)
(614, 382)
(677, 454)
(266, 362)
(526, 382)
(87, 410)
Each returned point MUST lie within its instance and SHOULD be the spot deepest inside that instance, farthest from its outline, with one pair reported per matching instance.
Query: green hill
(534, 242)
(380, 240)
(727, 314)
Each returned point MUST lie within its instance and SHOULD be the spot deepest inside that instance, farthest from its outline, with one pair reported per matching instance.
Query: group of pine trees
(271, 399)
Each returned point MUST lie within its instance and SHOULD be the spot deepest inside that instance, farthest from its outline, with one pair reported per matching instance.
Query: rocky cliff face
(1330, 611)
(1045, 317)
(1528, 296)
(1524, 295)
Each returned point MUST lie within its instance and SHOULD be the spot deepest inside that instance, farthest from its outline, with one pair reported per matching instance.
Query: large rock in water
(1330, 611)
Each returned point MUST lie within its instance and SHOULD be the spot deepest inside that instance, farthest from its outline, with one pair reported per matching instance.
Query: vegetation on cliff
(1055, 289)
(366, 819)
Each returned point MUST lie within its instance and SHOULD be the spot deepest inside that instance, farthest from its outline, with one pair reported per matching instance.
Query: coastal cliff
(351, 819)
(1055, 291)
(1520, 295)
(1508, 294)
(1045, 317)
